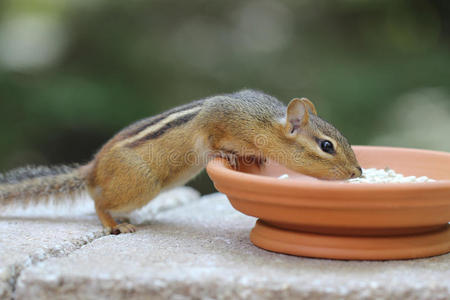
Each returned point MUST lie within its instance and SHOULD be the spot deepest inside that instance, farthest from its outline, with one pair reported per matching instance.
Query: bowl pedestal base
(274, 238)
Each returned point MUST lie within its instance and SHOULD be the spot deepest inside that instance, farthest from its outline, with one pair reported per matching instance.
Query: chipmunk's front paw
(232, 158)
(123, 228)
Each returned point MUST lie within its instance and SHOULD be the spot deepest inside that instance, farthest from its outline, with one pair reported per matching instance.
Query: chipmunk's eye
(327, 146)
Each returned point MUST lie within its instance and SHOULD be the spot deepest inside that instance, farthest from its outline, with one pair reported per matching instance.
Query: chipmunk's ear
(297, 116)
(310, 105)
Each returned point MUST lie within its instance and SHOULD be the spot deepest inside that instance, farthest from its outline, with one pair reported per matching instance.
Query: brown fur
(169, 149)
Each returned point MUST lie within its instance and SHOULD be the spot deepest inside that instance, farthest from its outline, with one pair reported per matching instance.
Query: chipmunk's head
(318, 148)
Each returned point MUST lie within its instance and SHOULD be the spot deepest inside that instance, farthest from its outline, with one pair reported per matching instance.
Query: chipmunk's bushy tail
(30, 185)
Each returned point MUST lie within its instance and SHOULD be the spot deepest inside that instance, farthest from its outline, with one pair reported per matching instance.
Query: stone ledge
(202, 250)
(35, 234)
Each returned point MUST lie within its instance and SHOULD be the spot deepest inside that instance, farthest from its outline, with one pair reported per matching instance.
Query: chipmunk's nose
(357, 173)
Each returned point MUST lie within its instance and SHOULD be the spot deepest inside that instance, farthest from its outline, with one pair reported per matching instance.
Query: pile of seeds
(381, 176)
(387, 176)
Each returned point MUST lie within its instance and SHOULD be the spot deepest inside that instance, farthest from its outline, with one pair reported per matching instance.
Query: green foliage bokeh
(126, 60)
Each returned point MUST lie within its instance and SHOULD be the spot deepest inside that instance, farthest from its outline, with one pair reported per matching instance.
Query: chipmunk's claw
(260, 161)
(232, 158)
(123, 228)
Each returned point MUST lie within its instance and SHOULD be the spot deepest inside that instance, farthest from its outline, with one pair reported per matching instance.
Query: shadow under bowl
(305, 216)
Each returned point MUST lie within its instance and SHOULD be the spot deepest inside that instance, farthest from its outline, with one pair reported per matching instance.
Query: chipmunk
(169, 149)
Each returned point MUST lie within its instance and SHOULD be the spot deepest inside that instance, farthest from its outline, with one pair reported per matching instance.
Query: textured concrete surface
(202, 251)
(29, 236)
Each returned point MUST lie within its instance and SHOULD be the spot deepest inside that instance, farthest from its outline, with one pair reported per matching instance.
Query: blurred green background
(74, 72)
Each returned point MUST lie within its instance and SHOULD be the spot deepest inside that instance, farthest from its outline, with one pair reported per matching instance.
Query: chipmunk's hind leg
(123, 182)
(111, 225)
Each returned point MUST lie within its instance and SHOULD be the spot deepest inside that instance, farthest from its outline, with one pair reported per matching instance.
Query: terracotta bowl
(305, 216)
